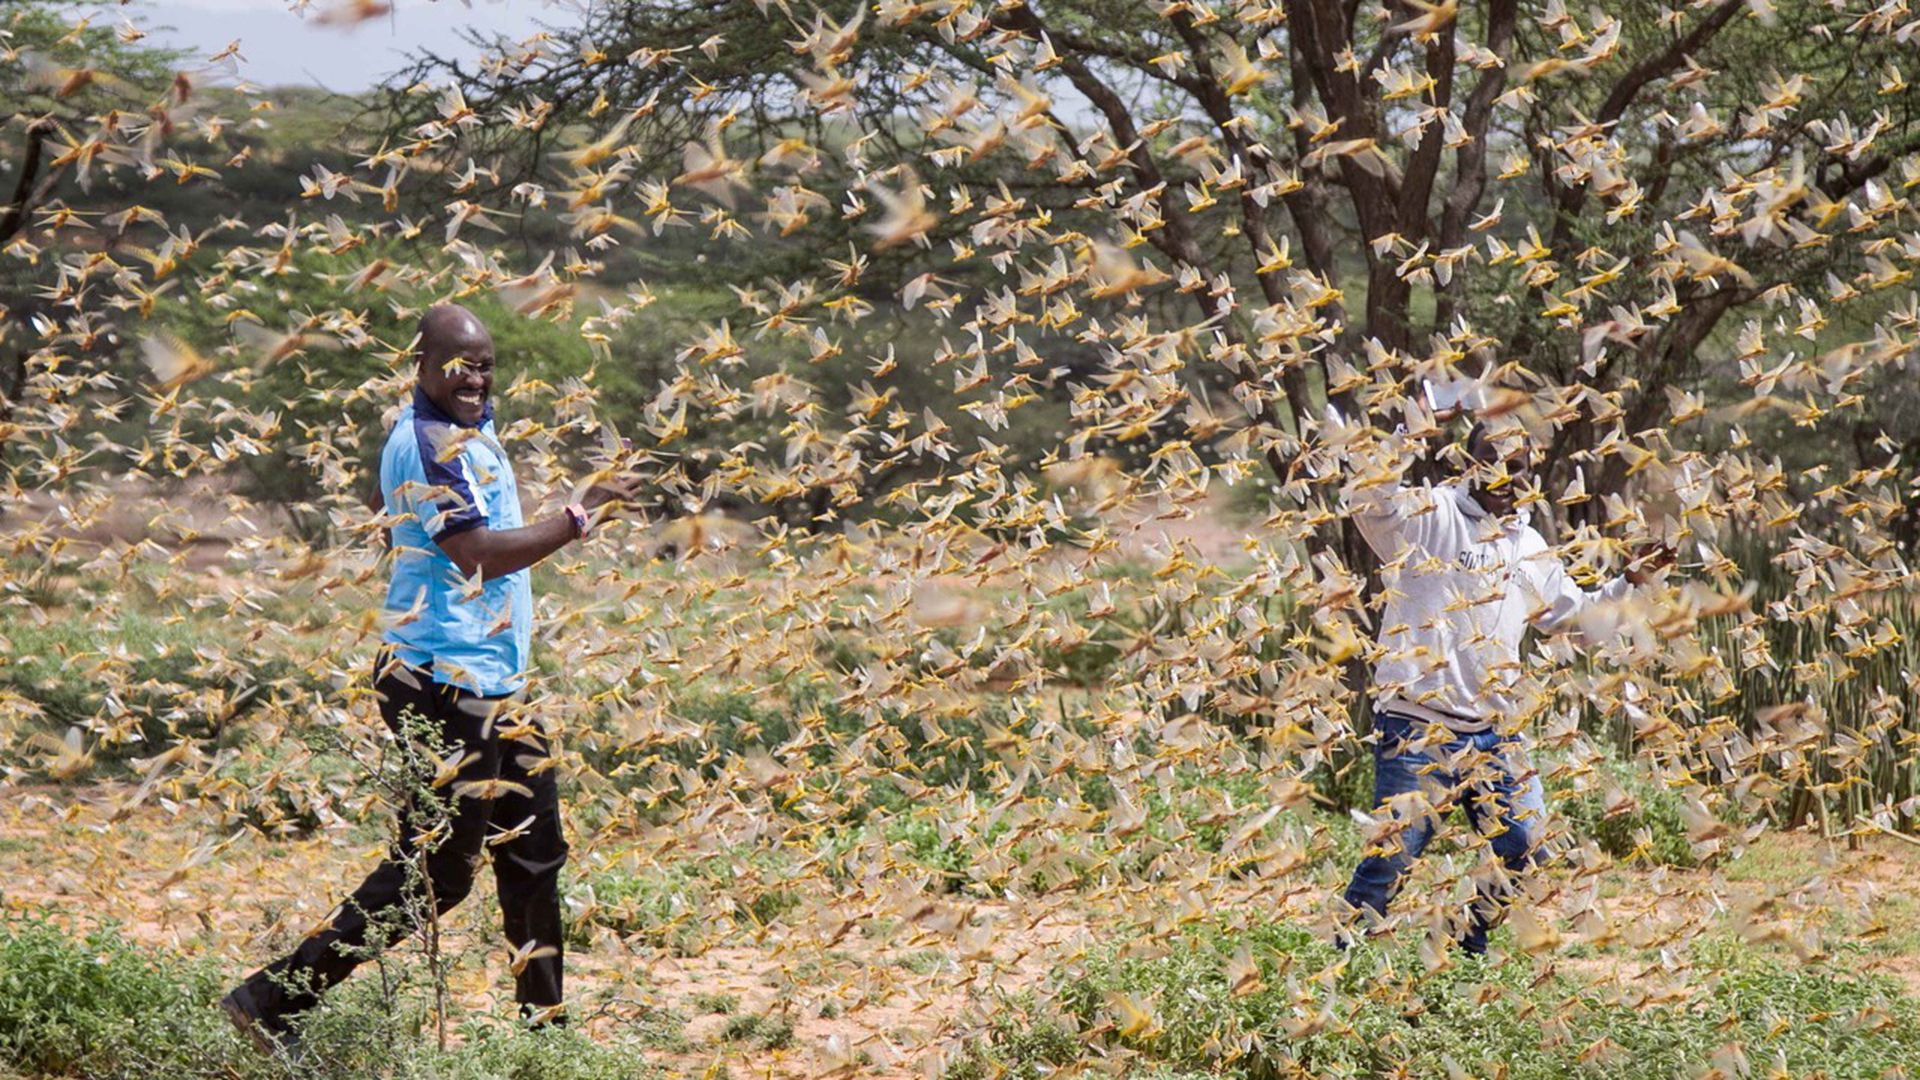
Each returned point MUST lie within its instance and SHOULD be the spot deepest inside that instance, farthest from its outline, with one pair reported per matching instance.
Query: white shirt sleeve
(1391, 515)
(1561, 599)
(1388, 512)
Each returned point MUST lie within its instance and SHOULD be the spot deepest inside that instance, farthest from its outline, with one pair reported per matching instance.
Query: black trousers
(523, 806)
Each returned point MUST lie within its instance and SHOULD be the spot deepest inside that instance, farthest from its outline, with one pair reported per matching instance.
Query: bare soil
(884, 998)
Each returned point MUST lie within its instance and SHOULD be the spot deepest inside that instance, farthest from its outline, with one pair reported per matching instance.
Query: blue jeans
(1416, 756)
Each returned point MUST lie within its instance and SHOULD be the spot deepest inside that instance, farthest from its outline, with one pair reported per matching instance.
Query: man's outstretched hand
(613, 494)
(615, 486)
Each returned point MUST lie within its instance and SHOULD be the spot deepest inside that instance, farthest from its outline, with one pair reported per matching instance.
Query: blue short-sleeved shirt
(443, 478)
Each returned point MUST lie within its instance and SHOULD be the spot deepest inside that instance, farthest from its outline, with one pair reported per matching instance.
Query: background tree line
(1335, 159)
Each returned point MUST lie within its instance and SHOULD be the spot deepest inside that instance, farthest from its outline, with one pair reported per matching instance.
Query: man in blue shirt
(459, 616)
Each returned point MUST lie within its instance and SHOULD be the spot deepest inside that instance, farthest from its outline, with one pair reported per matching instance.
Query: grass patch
(100, 1006)
(760, 1031)
(679, 905)
(923, 961)
(1768, 860)
(1627, 814)
(135, 684)
(661, 1029)
(1382, 1014)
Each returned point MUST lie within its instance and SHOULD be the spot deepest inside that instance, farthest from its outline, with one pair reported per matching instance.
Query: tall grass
(1825, 687)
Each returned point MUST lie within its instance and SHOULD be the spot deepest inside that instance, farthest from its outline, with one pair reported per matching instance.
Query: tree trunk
(26, 192)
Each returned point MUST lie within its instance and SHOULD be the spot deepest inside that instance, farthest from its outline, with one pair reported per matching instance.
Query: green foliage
(1172, 1008)
(1346, 781)
(717, 729)
(129, 71)
(676, 904)
(1019, 1045)
(1628, 814)
(660, 1028)
(72, 1007)
(100, 1007)
(496, 1052)
(1098, 660)
(763, 1032)
(920, 840)
(1842, 662)
(283, 787)
(659, 907)
(180, 685)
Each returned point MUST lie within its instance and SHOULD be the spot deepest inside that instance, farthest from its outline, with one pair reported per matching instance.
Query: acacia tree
(73, 100)
(1584, 197)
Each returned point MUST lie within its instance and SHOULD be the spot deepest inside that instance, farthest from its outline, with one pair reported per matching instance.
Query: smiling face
(456, 363)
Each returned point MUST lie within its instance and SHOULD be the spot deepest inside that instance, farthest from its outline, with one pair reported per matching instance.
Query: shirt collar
(424, 405)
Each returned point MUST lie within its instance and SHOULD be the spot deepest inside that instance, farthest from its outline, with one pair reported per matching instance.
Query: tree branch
(1416, 188)
(1665, 62)
(1256, 228)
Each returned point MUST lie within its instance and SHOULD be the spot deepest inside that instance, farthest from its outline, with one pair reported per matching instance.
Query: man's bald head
(455, 358)
(449, 326)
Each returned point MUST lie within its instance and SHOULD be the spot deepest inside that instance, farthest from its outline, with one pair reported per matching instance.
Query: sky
(284, 47)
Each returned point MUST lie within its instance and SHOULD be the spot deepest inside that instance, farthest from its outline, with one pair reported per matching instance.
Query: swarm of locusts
(934, 635)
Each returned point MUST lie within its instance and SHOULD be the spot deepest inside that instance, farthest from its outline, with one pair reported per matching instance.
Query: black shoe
(273, 1035)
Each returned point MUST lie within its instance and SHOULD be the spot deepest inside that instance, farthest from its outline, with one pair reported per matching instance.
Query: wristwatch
(581, 523)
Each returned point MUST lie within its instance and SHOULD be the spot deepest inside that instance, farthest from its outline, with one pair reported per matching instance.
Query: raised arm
(443, 496)
(1561, 599)
(499, 552)
(1389, 512)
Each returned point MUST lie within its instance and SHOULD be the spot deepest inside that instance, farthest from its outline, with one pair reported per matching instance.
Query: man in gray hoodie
(1464, 575)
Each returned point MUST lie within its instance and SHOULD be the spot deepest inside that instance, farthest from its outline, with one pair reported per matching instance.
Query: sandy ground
(880, 999)
(872, 1002)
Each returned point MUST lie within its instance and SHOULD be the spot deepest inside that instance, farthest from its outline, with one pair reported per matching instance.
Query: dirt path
(788, 1004)
(876, 997)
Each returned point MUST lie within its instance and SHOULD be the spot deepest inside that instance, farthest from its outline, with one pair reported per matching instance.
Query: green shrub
(1018, 1046)
(674, 904)
(78, 1006)
(1345, 782)
(1646, 826)
(763, 1032)
(501, 1052)
(661, 1028)
(285, 787)
(100, 1007)
(732, 726)
(1173, 1011)
(172, 686)
(661, 907)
